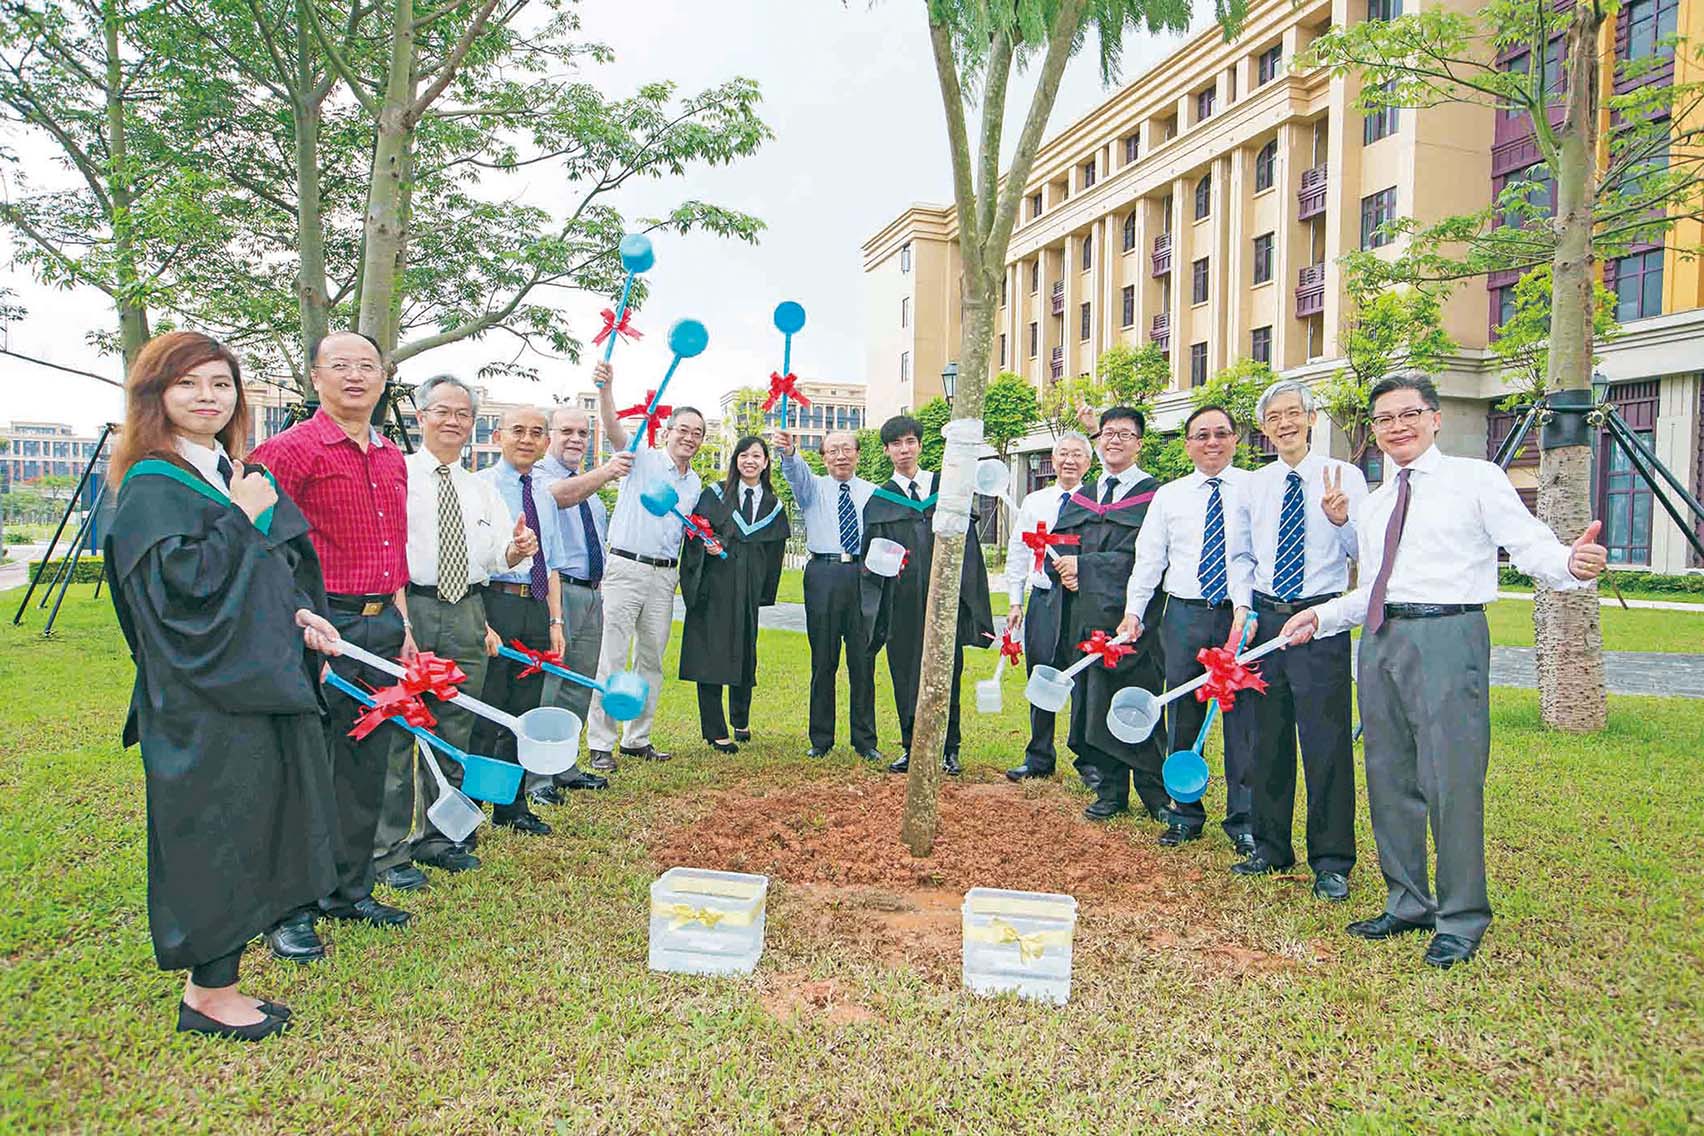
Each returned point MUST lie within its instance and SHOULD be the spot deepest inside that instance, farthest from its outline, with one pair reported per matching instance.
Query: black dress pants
(526, 619)
(1185, 629)
(219, 972)
(711, 723)
(907, 671)
(359, 767)
(834, 616)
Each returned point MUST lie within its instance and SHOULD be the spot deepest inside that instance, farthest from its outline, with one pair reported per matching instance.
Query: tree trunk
(312, 297)
(128, 296)
(384, 238)
(1566, 625)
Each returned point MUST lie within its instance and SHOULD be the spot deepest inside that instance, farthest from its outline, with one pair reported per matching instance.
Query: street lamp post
(949, 380)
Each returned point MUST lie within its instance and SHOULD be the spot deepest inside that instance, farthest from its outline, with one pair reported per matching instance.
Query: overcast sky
(849, 90)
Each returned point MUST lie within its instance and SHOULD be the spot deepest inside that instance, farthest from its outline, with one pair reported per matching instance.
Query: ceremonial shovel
(661, 500)
(992, 480)
(1134, 712)
(547, 738)
(988, 698)
(885, 557)
(636, 257)
(1185, 771)
(1050, 688)
(789, 320)
(686, 338)
(624, 693)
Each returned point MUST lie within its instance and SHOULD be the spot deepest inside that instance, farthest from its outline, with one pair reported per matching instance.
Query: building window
(1035, 204)
(1260, 345)
(1266, 67)
(905, 311)
(1088, 251)
(1088, 173)
(1002, 291)
(1648, 23)
(1379, 122)
(1204, 104)
(1639, 285)
(1626, 509)
(905, 366)
(1204, 197)
(1166, 214)
(1129, 149)
(1034, 339)
(1263, 258)
(1384, 9)
(1377, 211)
(1002, 349)
(1505, 299)
(1130, 231)
(1128, 298)
(1084, 321)
(905, 257)
(1198, 285)
(1197, 364)
(1035, 276)
(1266, 166)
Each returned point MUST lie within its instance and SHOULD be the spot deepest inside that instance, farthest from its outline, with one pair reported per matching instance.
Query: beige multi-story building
(30, 451)
(833, 406)
(1204, 207)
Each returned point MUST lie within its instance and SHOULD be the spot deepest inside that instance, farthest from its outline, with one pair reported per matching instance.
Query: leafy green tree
(873, 463)
(1124, 376)
(745, 413)
(1010, 411)
(1523, 340)
(1389, 329)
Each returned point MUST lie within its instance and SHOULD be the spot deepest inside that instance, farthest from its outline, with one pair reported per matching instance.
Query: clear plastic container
(1019, 942)
(705, 922)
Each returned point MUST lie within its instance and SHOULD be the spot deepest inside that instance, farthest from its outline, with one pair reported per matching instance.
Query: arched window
(1266, 166)
(1204, 197)
(1130, 230)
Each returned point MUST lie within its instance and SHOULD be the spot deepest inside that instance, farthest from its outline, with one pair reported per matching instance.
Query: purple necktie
(1393, 537)
(538, 578)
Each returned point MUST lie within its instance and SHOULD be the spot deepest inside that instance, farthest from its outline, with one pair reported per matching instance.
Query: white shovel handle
(463, 699)
(1071, 671)
(1259, 652)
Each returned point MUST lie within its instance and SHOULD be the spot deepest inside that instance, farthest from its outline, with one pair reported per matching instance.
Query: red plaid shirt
(356, 503)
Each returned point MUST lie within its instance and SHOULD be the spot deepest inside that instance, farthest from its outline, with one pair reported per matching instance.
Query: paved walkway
(1625, 672)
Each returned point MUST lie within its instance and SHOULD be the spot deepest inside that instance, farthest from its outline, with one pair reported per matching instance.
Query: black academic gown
(226, 706)
(894, 606)
(1061, 619)
(718, 644)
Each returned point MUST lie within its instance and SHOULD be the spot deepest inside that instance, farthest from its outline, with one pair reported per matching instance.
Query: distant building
(34, 450)
(833, 406)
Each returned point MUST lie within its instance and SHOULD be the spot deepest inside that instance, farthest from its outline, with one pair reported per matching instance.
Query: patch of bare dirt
(793, 998)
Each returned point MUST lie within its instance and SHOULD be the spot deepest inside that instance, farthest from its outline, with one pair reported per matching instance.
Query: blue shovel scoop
(624, 694)
(661, 500)
(1185, 771)
(686, 338)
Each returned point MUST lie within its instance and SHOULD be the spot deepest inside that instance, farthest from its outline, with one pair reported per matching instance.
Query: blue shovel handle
(509, 652)
(687, 522)
(338, 682)
(626, 291)
(656, 399)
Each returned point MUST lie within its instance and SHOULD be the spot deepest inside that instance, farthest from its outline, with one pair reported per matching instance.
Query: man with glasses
(1428, 554)
(459, 535)
(642, 572)
(352, 485)
(1296, 516)
(832, 505)
(1071, 458)
(1086, 596)
(1194, 526)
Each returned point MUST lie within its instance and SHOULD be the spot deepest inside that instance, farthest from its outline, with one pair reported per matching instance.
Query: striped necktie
(1212, 571)
(538, 577)
(848, 520)
(1292, 529)
(452, 541)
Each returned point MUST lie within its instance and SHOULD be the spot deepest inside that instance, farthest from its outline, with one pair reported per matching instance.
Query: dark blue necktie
(848, 520)
(1292, 529)
(538, 579)
(594, 547)
(1212, 570)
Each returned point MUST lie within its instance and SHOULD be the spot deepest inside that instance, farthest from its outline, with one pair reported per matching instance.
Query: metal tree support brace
(958, 475)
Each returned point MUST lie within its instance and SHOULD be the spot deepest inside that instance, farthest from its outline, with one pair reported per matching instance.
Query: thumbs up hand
(525, 542)
(1587, 558)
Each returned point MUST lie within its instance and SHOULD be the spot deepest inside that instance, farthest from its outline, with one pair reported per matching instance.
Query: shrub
(88, 570)
(1628, 580)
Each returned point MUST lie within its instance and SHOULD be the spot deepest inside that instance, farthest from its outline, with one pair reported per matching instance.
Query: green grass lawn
(520, 999)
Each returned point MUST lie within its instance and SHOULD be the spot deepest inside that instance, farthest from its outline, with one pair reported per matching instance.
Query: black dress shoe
(1384, 927)
(1447, 950)
(1027, 771)
(1333, 887)
(603, 761)
(451, 859)
(742, 735)
(647, 751)
(872, 754)
(545, 795)
(576, 779)
(194, 1021)
(1244, 845)
(1105, 808)
(523, 822)
(950, 765)
(372, 912)
(722, 747)
(819, 751)
(1176, 834)
(1258, 865)
(403, 877)
(295, 941)
(902, 763)
(1091, 778)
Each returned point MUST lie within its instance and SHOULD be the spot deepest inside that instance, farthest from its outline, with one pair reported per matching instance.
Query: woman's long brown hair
(161, 362)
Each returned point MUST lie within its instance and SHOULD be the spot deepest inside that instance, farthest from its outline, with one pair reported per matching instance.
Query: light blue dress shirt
(818, 496)
(508, 482)
(576, 562)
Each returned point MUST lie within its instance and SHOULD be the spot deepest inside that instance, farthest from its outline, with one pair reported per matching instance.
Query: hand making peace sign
(1335, 502)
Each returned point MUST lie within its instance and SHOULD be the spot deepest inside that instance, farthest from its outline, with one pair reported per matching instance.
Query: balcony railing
(1310, 198)
(1162, 254)
(1310, 291)
(1056, 363)
(1059, 298)
(1160, 330)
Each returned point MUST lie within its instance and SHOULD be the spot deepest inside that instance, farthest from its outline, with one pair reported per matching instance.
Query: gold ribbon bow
(1030, 947)
(680, 914)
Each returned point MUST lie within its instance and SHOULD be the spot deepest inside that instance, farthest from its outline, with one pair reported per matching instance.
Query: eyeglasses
(343, 370)
(1276, 417)
(442, 412)
(838, 451)
(690, 433)
(1120, 435)
(534, 433)
(1409, 417)
(1212, 435)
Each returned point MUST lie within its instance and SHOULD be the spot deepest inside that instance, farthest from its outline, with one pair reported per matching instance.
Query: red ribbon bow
(701, 528)
(620, 328)
(1039, 540)
(427, 673)
(1100, 643)
(537, 659)
(1225, 676)
(784, 386)
(1011, 648)
(392, 702)
(651, 420)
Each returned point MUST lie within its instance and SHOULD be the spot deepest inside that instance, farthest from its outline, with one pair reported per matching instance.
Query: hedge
(88, 570)
(1631, 580)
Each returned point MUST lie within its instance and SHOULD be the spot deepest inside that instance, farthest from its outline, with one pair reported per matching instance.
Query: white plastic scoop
(1050, 688)
(1133, 712)
(988, 698)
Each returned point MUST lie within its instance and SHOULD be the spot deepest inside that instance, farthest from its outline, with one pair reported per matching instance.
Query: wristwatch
(556, 622)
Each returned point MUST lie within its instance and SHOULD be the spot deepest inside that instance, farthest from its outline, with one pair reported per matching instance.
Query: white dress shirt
(1460, 511)
(818, 496)
(485, 521)
(1041, 506)
(1169, 543)
(902, 485)
(1326, 548)
(206, 461)
(631, 527)
(577, 561)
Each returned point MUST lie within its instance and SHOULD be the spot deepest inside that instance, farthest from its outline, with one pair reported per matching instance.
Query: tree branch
(971, 239)
(451, 62)
(1065, 22)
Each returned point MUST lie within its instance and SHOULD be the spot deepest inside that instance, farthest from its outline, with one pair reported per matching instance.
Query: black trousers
(1308, 692)
(1118, 778)
(526, 619)
(711, 723)
(215, 973)
(906, 670)
(1039, 754)
(833, 617)
(1185, 629)
(359, 768)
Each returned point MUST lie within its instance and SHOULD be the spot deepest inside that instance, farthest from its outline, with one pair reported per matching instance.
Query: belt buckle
(372, 607)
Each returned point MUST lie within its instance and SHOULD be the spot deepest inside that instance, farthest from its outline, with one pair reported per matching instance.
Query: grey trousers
(1426, 708)
(454, 631)
(582, 611)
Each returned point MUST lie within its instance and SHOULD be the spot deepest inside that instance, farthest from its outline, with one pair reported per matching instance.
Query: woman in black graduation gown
(718, 645)
(217, 590)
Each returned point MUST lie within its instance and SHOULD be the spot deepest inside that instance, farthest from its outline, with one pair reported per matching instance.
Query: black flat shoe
(450, 860)
(296, 941)
(1258, 865)
(1104, 808)
(194, 1021)
(742, 735)
(602, 761)
(372, 912)
(403, 877)
(576, 780)
(1333, 887)
(872, 754)
(1026, 772)
(721, 747)
(526, 823)
(1385, 926)
(1447, 950)
(277, 1010)
(902, 763)
(1177, 834)
(819, 751)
